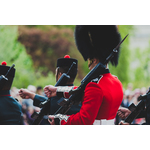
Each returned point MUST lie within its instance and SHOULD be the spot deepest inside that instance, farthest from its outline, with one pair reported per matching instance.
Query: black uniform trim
(96, 80)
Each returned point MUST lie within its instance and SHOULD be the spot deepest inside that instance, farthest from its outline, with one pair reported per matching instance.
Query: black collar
(106, 71)
(5, 93)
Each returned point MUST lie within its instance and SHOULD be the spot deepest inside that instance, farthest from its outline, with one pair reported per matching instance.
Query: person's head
(3, 70)
(39, 90)
(130, 86)
(63, 65)
(143, 90)
(130, 96)
(137, 92)
(31, 88)
(96, 42)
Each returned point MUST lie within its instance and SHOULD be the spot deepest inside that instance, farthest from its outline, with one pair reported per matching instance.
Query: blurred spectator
(130, 86)
(129, 89)
(25, 120)
(125, 102)
(143, 90)
(29, 102)
(131, 97)
(137, 93)
(14, 93)
(28, 108)
(128, 95)
(39, 91)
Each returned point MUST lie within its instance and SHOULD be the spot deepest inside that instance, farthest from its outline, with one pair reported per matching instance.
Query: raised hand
(26, 94)
(123, 112)
(50, 90)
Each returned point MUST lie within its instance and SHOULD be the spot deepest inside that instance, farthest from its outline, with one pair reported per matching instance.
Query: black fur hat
(3, 70)
(97, 41)
(67, 62)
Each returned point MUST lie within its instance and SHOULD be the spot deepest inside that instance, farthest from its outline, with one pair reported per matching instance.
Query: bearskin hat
(97, 41)
(3, 70)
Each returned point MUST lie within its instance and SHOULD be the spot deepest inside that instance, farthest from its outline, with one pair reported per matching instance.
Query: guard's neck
(69, 83)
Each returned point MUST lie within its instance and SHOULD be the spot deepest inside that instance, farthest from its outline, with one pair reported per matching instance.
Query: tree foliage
(42, 46)
(141, 72)
(13, 51)
(46, 44)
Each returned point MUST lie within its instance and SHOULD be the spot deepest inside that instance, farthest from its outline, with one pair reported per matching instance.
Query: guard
(102, 96)
(10, 108)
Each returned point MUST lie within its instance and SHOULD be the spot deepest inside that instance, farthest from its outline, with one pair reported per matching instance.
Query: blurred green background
(34, 49)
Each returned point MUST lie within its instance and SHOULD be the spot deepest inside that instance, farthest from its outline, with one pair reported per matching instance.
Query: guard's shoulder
(115, 76)
(16, 99)
(96, 80)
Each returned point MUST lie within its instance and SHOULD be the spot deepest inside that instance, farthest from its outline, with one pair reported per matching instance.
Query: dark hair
(39, 88)
(72, 74)
(8, 83)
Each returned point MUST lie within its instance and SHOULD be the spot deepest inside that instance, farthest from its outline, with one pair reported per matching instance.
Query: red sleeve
(90, 106)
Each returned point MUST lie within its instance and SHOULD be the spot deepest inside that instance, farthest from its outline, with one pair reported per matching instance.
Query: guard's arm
(38, 99)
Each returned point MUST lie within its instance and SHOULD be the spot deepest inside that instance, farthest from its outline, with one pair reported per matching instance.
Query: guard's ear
(95, 61)
(60, 73)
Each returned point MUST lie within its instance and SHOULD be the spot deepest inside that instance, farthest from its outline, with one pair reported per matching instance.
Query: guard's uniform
(61, 62)
(10, 110)
(100, 101)
(54, 104)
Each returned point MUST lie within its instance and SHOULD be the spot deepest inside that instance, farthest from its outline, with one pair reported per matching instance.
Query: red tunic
(100, 101)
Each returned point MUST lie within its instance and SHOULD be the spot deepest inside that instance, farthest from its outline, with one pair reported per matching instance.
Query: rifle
(45, 106)
(77, 94)
(135, 110)
(4, 79)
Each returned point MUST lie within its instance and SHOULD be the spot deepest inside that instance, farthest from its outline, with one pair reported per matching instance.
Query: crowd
(27, 104)
(130, 96)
